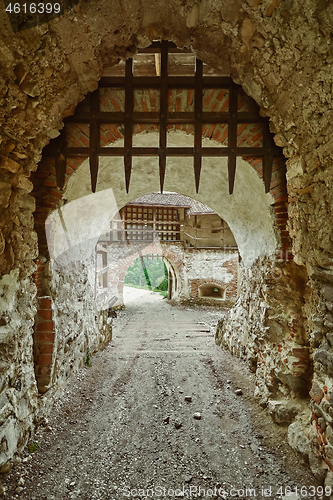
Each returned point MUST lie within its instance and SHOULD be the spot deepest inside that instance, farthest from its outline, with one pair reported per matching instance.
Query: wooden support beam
(128, 122)
(163, 112)
(198, 122)
(173, 117)
(211, 82)
(177, 151)
(94, 139)
(79, 152)
(146, 272)
(232, 135)
(60, 158)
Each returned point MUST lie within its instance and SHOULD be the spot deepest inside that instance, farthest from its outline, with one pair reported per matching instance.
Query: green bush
(164, 285)
(147, 274)
(33, 447)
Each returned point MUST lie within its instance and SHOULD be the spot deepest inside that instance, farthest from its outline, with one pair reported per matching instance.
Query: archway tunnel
(153, 272)
(282, 319)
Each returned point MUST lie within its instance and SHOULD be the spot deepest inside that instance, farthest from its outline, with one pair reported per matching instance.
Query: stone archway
(171, 260)
(74, 228)
(280, 57)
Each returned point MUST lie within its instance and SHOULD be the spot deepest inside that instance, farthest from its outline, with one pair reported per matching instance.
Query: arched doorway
(189, 234)
(152, 272)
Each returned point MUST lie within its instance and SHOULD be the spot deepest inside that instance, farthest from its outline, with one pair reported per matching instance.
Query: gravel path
(127, 424)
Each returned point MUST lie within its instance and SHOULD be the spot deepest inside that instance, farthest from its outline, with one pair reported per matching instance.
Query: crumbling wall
(80, 329)
(291, 360)
(266, 328)
(219, 267)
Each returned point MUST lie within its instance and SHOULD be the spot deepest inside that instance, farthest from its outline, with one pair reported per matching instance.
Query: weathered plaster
(247, 211)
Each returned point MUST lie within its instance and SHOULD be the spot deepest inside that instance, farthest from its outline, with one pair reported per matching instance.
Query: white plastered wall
(74, 229)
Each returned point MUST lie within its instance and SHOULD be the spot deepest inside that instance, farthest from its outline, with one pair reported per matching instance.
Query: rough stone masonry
(281, 53)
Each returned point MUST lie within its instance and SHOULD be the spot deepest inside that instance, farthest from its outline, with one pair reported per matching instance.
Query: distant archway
(173, 274)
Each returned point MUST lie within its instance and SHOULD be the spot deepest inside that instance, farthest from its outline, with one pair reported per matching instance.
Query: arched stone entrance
(46, 71)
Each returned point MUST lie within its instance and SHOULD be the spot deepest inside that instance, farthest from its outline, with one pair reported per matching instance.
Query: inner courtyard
(198, 133)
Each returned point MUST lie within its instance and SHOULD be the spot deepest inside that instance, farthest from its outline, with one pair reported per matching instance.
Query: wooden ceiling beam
(213, 82)
(128, 122)
(163, 112)
(198, 122)
(173, 117)
(94, 139)
(177, 151)
(171, 46)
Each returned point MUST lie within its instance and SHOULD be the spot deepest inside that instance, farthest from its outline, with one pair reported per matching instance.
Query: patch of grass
(88, 360)
(119, 308)
(33, 447)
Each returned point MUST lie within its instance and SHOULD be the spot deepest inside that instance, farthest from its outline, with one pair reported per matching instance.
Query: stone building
(274, 60)
(196, 245)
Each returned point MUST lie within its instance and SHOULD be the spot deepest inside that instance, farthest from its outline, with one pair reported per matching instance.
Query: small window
(211, 291)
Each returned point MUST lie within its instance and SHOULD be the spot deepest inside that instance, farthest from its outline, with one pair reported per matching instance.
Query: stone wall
(18, 390)
(266, 328)
(212, 267)
(79, 328)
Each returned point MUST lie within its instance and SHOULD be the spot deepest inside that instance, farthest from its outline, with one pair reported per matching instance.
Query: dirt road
(158, 411)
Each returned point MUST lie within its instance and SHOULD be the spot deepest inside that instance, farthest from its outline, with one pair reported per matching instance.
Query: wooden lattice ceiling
(164, 80)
